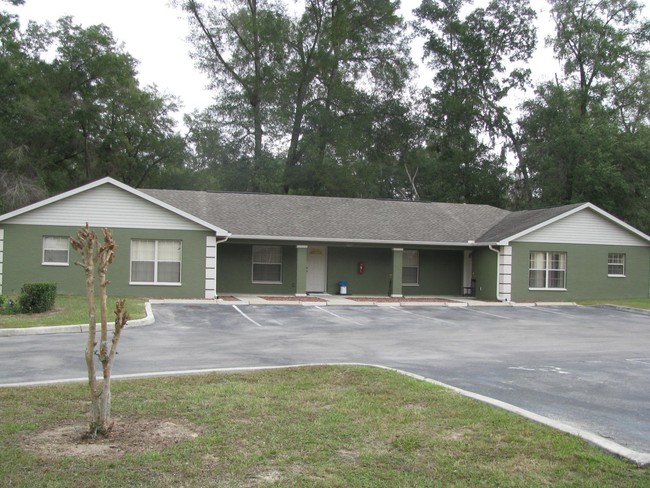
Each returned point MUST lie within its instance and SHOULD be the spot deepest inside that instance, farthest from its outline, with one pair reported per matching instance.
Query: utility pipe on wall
(498, 272)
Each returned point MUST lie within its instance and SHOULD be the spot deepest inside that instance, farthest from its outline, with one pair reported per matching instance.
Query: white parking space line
(400, 309)
(542, 369)
(468, 309)
(245, 316)
(337, 316)
(645, 361)
(546, 310)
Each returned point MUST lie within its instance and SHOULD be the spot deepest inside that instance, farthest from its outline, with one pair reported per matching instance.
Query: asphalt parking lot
(587, 367)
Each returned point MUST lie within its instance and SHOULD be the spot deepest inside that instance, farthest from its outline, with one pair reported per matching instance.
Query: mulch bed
(398, 300)
(293, 299)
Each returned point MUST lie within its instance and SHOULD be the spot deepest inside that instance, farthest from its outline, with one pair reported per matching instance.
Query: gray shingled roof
(517, 222)
(323, 218)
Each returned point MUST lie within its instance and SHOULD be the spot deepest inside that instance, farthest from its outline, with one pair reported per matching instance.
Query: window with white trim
(56, 250)
(410, 268)
(156, 262)
(267, 264)
(547, 270)
(615, 264)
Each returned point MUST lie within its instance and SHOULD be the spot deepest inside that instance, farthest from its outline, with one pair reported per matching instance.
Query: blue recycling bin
(343, 287)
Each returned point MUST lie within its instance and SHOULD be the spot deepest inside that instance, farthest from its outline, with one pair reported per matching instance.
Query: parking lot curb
(624, 309)
(641, 459)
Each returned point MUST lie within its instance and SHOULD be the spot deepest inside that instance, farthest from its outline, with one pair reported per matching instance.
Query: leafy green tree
(298, 94)
(479, 58)
(240, 46)
(599, 43)
(115, 128)
(24, 100)
(79, 116)
(576, 158)
(586, 132)
(350, 63)
(219, 162)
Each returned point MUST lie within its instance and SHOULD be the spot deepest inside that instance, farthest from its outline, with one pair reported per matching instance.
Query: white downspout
(498, 271)
(216, 262)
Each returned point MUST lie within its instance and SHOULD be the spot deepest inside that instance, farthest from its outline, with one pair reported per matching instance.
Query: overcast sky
(155, 34)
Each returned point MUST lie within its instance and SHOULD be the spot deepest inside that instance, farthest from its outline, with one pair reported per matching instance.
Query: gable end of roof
(520, 224)
(110, 181)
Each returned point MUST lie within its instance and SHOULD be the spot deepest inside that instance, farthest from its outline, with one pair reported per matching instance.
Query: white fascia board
(591, 206)
(108, 180)
(55, 198)
(353, 241)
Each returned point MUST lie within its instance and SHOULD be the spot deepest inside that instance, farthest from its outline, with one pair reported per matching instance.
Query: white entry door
(316, 269)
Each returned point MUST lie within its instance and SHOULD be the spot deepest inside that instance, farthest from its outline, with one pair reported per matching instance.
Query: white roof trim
(110, 181)
(354, 241)
(590, 206)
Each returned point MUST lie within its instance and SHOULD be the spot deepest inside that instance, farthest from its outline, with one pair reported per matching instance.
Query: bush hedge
(37, 297)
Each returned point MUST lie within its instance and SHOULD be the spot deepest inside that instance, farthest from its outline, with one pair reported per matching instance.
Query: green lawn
(326, 427)
(68, 310)
(643, 303)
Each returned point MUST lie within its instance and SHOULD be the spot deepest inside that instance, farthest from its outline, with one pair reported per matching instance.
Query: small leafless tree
(100, 256)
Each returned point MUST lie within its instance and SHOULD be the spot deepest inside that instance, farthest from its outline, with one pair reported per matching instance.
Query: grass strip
(68, 310)
(642, 303)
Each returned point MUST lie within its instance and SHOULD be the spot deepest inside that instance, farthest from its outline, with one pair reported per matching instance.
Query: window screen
(56, 250)
(267, 264)
(410, 267)
(155, 261)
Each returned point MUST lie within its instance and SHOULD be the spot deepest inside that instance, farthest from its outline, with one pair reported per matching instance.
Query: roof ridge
(329, 197)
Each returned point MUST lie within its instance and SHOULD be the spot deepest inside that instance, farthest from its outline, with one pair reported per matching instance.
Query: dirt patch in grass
(127, 437)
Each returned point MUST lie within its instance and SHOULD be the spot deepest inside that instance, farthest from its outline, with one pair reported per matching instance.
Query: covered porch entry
(382, 271)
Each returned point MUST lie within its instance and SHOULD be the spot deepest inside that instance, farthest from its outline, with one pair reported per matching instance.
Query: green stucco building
(188, 244)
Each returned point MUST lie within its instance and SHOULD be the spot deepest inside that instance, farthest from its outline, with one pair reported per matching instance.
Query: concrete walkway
(364, 300)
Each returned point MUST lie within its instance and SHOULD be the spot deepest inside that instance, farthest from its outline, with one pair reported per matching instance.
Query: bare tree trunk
(416, 195)
(85, 245)
(102, 256)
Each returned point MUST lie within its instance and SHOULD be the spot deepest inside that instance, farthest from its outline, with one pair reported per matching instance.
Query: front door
(316, 269)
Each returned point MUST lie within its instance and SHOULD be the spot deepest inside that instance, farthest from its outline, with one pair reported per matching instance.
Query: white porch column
(2, 251)
(505, 274)
(210, 267)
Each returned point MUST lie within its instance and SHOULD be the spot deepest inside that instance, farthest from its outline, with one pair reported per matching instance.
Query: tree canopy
(78, 116)
(320, 97)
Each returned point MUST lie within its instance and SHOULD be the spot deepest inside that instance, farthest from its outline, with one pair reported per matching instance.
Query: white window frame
(616, 259)
(411, 252)
(61, 240)
(548, 270)
(156, 262)
(256, 249)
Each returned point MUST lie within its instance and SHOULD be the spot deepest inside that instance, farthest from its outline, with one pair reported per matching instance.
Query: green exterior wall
(484, 271)
(23, 255)
(441, 270)
(235, 270)
(441, 273)
(342, 263)
(586, 275)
